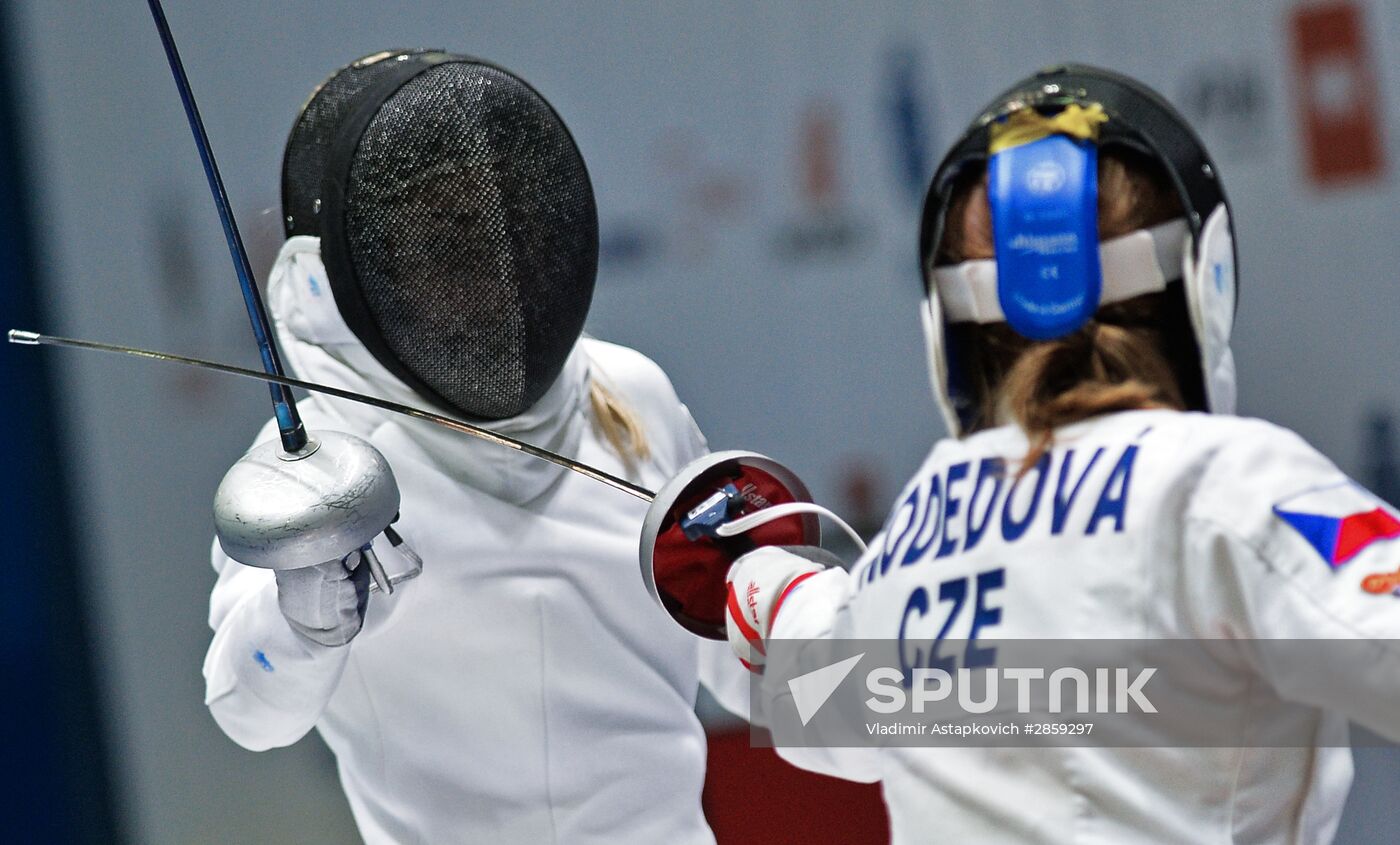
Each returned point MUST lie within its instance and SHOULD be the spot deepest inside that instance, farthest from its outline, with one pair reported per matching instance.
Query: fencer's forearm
(813, 610)
(265, 685)
(857, 764)
(726, 679)
(815, 616)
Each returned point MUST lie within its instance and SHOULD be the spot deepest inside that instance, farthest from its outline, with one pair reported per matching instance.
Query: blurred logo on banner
(1339, 107)
(908, 110)
(862, 504)
(178, 278)
(627, 242)
(825, 225)
(180, 285)
(702, 197)
(196, 310)
(1228, 101)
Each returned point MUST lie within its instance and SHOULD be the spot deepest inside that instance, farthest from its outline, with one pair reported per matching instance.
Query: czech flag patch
(1340, 521)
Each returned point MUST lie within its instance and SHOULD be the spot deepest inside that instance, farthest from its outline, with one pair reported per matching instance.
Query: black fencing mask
(457, 224)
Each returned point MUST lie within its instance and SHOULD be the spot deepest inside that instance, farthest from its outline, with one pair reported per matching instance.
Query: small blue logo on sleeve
(261, 659)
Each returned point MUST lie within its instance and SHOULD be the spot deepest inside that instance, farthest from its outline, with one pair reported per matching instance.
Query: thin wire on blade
(774, 512)
(36, 339)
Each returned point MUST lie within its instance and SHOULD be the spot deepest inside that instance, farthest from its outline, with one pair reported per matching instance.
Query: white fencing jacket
(1185, 526)
(524, 689)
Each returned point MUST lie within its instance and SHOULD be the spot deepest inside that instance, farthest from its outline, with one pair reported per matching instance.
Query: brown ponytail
(1102, 368)
(619, 425)
(1120, 360)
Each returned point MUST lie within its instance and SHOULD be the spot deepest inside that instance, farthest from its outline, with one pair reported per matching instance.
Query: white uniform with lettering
(1138, 525)
(524, 689)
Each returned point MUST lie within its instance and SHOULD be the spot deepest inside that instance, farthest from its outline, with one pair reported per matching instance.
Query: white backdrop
(758, 171)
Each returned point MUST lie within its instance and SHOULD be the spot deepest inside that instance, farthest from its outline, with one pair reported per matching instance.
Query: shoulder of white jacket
(634, 375)
(1230, 457)
(1220, 438)
(625, 360)
(674, 437)
(1237, 442)
(1252, 466)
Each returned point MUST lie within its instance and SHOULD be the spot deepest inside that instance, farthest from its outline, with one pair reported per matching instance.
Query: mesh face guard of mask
(457, 224)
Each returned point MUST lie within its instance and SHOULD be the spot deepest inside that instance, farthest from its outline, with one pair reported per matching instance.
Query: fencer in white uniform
(511, 692)
(1160, 522)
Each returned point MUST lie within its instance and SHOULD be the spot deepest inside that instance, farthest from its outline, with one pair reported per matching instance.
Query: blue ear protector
(1044, 199)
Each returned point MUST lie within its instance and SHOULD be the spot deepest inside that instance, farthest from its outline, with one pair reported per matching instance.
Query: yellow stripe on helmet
(1027, 125)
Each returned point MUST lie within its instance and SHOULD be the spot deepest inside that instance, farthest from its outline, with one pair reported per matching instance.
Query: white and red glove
(758, 583)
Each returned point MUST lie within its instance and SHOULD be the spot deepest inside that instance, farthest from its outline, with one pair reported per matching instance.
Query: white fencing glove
(757, 585)
(325, 603)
